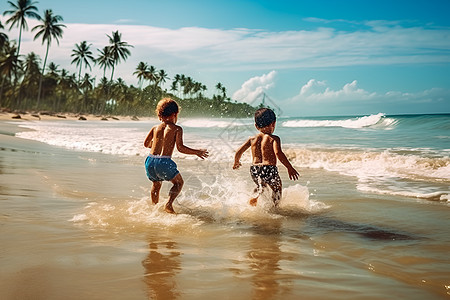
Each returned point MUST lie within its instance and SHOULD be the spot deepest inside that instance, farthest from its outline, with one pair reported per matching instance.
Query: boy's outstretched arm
(202, 153)
(239, 152)
(293, 174)
(149, 139)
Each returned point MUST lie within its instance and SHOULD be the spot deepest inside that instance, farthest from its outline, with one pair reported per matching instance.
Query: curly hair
(264, 117)
(166, 107)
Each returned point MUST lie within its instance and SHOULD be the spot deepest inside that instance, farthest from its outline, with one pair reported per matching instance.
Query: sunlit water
(367, 219)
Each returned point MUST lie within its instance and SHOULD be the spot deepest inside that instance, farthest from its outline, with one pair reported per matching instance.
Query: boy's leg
(177, 182)
(276, 191)
(257, 191)
(155, 191)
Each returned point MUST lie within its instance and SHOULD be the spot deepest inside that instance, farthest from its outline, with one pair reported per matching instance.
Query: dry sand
(43, 116)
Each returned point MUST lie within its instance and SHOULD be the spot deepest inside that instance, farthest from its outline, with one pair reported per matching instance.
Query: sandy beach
(49, 116)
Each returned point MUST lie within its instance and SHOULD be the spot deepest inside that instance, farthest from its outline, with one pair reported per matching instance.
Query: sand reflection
(161, 266)
(264, 260)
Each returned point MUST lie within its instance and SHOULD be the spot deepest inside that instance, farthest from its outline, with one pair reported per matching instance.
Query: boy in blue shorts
(266, 148)
(161, 140)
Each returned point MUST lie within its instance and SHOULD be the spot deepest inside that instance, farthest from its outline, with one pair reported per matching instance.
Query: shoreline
(48, 116)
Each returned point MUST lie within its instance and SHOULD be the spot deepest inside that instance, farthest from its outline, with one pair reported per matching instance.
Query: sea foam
(361, 122)
(223, 201)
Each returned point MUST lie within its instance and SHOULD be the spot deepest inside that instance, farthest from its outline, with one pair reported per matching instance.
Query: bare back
(162, 139)
(263, 151)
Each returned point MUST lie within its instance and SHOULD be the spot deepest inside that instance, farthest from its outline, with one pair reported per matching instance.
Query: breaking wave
(385, 172)
(378, 120)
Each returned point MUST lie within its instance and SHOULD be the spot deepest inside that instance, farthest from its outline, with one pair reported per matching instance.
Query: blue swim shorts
(160, 168)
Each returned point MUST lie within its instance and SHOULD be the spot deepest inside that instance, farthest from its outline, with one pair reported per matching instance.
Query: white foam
(384, 172)
(433, 196)
(361, 122)
(371, 164)
(87, 137)
(221, 201)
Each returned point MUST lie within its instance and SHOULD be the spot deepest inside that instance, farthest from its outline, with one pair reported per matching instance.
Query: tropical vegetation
(28, 83)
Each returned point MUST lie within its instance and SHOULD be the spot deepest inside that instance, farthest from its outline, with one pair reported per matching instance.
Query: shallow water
(78, 225)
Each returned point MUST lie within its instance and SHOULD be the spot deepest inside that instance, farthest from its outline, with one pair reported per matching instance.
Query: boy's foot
(154, 202)
(253, 201)
(168, 208)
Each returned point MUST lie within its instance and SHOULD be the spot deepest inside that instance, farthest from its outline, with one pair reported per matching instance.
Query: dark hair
(166, 107)
(264, 117)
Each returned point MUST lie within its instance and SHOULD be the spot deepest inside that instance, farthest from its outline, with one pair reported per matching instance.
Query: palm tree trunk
(112, 74)
(42, 75)
(79, 72)
(20, 38)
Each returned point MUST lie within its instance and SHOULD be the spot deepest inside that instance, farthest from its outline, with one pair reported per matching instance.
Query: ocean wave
(373, 163)
(433, 196)
(87, 137)
(378, 120)
(386, 172)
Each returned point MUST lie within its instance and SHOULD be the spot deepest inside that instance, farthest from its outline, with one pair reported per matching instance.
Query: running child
(266, 148)
(161, 140)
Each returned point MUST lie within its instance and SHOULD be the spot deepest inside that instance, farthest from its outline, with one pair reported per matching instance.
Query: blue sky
(311, 57)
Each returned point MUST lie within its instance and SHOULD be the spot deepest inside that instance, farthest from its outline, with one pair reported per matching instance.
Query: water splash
(219, 202)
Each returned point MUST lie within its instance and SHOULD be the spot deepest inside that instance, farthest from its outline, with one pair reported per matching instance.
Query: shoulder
(153, 129)
(254, 138)
(275, 138)
(157, 127)
(176, 128)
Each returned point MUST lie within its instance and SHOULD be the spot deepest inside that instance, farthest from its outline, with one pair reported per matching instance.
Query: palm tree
(31, 64)
(151, 74)
(86, 86)
(177, 82)
(52, 70)
(105, 59)
(104, 87)
(162, 77)
(9, 63)
(119, 49)
(188, 86)
(3, 37)
(20, 11)
(141, 71)
(224, 92)
(30, 79)
(219, 86)
(82, 54)
(64, 85)
(173, 86)
(49, 29)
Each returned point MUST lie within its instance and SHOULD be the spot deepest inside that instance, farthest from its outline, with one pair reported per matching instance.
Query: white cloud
(313, 86)
(253, 87)
(317, 94)
(380, 42)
